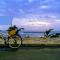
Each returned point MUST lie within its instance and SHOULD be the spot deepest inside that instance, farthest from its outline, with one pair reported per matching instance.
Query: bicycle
(13, 39)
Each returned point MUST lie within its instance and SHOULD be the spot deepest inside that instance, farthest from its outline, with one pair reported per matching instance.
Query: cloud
(30, 0)
(44, 6)
(21, 11)
(31, 23)
(31, 10)
(56, 25)
(4, 27)
(49, 1)
(20, 7)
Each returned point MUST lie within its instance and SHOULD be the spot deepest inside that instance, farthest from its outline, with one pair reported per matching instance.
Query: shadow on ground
(29, 46)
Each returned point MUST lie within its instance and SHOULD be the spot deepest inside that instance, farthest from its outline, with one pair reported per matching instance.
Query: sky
(32, 15)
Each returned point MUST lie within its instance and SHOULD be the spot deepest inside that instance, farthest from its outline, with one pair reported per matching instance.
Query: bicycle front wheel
(15, 42)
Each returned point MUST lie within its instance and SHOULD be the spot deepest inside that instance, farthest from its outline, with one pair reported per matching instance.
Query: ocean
(30, 34)
(35, 34)
(24, 34)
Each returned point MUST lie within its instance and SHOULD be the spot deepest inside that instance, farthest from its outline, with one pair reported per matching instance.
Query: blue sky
(37, 14)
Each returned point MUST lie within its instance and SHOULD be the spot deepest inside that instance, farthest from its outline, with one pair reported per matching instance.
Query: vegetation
(55, 35)
(31, 54)
(27, 36)
(47, 32)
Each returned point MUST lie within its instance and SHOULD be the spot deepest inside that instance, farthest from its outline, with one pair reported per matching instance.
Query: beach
(37, 40)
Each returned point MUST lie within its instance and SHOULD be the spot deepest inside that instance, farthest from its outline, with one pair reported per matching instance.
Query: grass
(31, 54)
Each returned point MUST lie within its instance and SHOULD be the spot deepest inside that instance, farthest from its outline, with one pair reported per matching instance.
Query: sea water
(32, 34)
(24, 34)
(36, 34)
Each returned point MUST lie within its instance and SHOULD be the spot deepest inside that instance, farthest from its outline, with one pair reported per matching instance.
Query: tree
(55, 35)
(13, 31)
(47, 32)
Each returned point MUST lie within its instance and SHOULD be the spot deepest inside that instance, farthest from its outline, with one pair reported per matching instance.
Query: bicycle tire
(12, 43)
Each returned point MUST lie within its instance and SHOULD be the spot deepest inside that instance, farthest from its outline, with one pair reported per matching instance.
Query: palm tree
(13, 31)
(47, 32)
(55, 35)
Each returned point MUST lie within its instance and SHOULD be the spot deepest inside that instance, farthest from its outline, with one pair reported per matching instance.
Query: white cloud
(57, 20)
(31, 24)
(49, 1)
(21, 11)
(44, 6)
(4, 27)
(37, 22)
(53, 16)
(30, 0)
